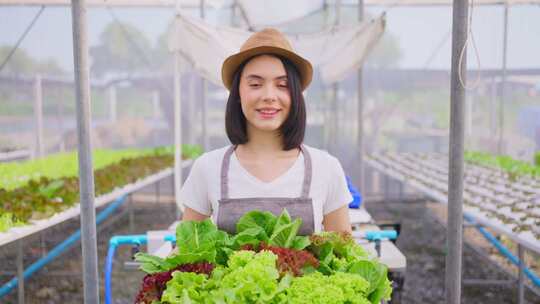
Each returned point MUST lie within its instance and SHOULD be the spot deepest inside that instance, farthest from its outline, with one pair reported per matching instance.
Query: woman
(267, 167)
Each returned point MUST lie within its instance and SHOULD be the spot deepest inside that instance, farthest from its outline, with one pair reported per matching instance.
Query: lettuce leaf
(255, 227)
(152, 264)
(198, 241)
(257, 219)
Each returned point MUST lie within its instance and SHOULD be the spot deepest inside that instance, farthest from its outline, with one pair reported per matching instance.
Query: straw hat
(267, 41)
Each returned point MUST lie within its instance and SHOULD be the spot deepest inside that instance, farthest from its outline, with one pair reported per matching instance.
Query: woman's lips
(268, 113)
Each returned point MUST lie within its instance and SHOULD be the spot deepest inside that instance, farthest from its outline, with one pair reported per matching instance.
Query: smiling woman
(267, 167)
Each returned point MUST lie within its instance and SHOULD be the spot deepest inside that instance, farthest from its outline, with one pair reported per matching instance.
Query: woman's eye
(283, 85)
(254, 85)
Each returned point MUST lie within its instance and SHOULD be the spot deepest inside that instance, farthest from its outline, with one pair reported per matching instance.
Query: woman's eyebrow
(254, 76)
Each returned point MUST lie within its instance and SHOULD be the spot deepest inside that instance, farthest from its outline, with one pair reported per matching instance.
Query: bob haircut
(293, 128)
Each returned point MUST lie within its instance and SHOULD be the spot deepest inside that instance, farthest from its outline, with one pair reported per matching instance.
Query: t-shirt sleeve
(194, 192)
(338, 192)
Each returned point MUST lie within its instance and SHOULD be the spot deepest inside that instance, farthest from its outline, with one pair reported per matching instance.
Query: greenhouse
(250, 151)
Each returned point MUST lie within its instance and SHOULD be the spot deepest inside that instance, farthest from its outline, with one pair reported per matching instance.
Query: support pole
(456, 166)
(334, 111)
(177, 134)
(156, 114)
(204, 102)
(500, 148)
(113, 116)
(521, 276)
(360, 119)
(20, 271)
(155, 105)
(86, 174)
(38, 116)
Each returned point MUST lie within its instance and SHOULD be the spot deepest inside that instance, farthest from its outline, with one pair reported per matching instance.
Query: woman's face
(264, 93)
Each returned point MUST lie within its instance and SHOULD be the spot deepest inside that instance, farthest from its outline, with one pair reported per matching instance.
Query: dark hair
(293, 128)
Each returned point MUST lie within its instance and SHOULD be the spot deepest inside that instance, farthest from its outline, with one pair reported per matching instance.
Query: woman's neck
(262, 143)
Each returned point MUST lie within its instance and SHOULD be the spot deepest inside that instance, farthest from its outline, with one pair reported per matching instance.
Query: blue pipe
(381, 234)
(504, 251)
(60, 248)
(115, 241)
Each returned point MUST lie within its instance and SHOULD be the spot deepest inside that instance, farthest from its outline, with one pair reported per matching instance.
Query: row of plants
(514, 168)
(264, 262)
(515, 208)
(55, 186)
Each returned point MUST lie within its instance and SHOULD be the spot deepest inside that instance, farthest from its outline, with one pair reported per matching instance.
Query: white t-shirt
(328, 190)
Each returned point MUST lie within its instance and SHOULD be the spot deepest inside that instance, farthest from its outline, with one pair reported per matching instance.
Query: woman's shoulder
(321, 157)
(211, 158)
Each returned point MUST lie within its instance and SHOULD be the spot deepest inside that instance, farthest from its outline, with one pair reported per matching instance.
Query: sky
(419, 30)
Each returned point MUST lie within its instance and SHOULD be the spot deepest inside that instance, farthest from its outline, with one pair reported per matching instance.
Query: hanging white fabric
(337, 51)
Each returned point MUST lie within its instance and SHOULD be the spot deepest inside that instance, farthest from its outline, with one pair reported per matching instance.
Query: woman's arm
(338, 220)
(192, 215)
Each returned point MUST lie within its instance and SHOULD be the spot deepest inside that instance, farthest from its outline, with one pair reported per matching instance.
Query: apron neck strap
(225, 165)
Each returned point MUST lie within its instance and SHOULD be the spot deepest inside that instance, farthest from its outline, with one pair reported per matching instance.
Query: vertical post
(131, 214)
(20, 271)
(455, 175)
(521, 277)
(334, 117)
(156, 114)
(492, 114)
(112, 104)
(86, 174)
(155, 105)
(177, 132)
(468, 114)
(360, 119)
(336, 105)
(157, 191)
(38, 116)
(204, 103)
(60, 117)
(503, 82)
(233, 13)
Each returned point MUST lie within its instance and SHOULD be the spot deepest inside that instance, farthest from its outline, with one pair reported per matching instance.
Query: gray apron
(231, 209)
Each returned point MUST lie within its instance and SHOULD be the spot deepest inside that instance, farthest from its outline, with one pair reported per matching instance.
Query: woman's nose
(269, 93)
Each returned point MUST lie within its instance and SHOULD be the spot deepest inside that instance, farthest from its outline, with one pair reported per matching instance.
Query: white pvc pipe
(177, 132)
(38, 116)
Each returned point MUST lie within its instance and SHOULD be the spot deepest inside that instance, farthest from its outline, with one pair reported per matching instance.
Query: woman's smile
(268, 113)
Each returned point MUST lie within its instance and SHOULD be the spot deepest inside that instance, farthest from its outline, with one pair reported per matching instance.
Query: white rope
(470, 37)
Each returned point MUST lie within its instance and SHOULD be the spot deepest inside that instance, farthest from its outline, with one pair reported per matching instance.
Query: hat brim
(231, 64)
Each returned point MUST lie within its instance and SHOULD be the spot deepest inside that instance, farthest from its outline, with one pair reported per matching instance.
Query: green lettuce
(196, 242)
(258, 226)
(318, 288)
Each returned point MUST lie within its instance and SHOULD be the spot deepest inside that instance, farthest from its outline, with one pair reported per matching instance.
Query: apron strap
(308, 172)
(306, 185)
(225, 173)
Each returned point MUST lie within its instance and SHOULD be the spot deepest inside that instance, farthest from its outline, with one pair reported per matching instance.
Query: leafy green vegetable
(7, 221)
(198, 241)
(152, 264)
(249, 278)
(347, 274)
(253, 219)
(514, 168)
(338, 252)
(51, 189)
(337, 288)
(285, 231)
(258, 226)
(185, 287)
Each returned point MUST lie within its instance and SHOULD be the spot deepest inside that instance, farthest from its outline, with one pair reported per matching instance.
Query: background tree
(122, 48)
(22, 63)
